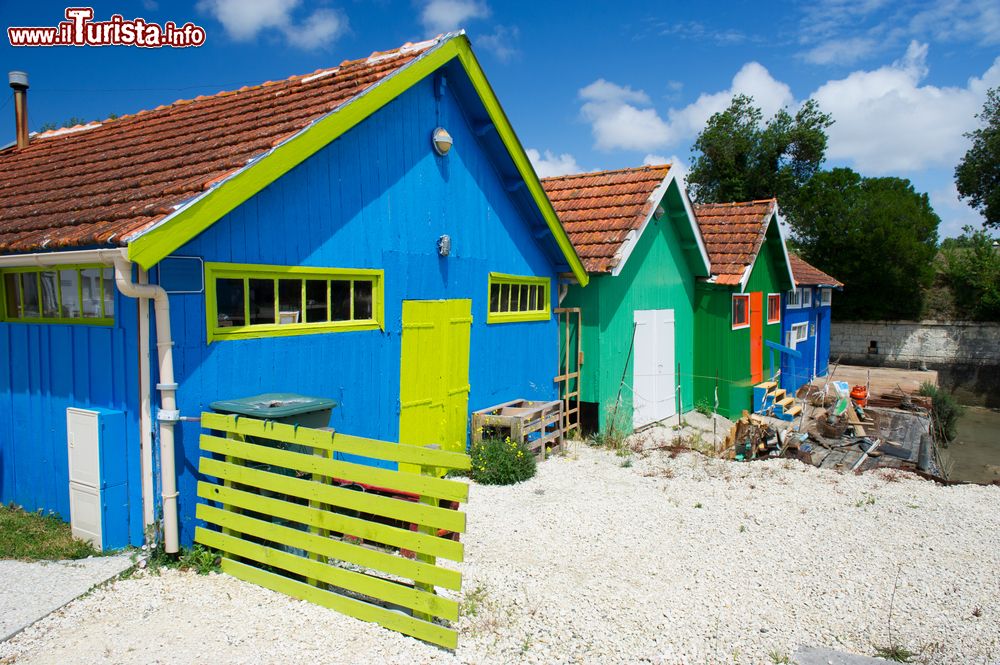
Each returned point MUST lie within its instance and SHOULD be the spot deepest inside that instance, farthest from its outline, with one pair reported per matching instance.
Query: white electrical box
(98, 487)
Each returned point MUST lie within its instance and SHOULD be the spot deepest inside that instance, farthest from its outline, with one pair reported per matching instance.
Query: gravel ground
(669, 560)
(32, 590)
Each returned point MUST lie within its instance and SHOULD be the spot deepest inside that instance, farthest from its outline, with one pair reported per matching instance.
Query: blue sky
(586, 85)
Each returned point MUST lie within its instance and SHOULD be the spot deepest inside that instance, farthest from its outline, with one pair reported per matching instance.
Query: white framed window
(807, 296)
(773, 308)
(741, 311)
(793, 299)
(799, 332)
(825, 297)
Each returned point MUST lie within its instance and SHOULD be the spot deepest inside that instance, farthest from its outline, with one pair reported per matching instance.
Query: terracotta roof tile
(100, 183)
(808, 275)
(598, 210)
(733, 234)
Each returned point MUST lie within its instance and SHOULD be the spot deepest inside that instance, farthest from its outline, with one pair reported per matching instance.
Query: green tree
(737, 158)
(972, 270)
(977, 176)
(876, 235)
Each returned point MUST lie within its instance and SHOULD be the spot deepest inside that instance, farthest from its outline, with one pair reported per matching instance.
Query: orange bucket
(860, 395)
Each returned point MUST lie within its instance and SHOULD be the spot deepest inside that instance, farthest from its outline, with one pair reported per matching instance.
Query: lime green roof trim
(520, 157)
(149, 247)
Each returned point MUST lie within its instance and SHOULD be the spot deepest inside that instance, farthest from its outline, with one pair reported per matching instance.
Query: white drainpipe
(168, 414)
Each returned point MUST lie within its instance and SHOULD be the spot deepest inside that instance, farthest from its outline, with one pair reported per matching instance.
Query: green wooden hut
(636, 233)
(738, 308)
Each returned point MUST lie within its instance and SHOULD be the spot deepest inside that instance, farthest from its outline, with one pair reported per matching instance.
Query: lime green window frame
(244, 301)
(515, 298)
(73, 294)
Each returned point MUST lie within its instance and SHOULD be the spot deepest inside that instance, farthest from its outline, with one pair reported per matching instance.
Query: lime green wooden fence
(283, 520)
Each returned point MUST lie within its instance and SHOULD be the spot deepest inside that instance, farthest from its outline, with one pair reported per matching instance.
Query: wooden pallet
(538, 425)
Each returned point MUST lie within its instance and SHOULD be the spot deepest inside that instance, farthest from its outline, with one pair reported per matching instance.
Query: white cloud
(845, 31)
(841, 51)
(244, 21)
(618, 121)
(502, 42)
(440, 16)
(548, 164)
(887, 121)
(953, 211)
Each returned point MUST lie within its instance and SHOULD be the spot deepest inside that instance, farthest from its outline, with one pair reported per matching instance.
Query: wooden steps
(769, 399)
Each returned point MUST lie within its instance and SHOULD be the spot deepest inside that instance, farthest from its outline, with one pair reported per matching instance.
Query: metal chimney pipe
(19, 82)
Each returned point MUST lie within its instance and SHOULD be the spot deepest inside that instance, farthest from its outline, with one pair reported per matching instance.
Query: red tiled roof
(598, 210)
(99, 185)
(733, 234)
(807, 275)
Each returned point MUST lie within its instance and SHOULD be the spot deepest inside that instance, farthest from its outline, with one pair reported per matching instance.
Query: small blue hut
(372, 233)
(805, 324)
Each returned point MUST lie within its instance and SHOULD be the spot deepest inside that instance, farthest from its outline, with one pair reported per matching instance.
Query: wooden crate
(539, 425)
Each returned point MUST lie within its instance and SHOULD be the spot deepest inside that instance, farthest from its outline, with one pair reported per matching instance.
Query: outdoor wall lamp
(444, 245)
(442, 141)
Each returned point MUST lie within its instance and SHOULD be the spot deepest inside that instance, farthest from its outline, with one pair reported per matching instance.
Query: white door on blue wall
(653, 380)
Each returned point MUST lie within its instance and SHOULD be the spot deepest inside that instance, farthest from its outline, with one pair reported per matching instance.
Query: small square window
(229, 302)
(50, 294)
(362, 300)
(316, 300)
(773, 308)
(29, 290)
(825, 297)
(90, 282)
(741, 311)
(807, 297)
(12, 295)
(261, 301)
(69, 287)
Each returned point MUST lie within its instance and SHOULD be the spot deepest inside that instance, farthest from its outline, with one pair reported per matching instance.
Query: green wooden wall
(719, 348)
(657, 275)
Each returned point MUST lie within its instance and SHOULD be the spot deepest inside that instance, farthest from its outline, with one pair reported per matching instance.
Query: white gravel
(670, 560)
(29, 591)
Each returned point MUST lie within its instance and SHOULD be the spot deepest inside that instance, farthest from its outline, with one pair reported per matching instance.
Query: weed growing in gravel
(894, 650)
(697, 505)
(501, 462)
(626, 463)
(471, 601)
(612, 436)
(200, 559)
(869, 500)
(897, 653)
(780, 658)
(704, 407)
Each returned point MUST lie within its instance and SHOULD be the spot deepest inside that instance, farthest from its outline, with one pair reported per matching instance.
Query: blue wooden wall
(377, 197)
(46, 368)
(815, 348)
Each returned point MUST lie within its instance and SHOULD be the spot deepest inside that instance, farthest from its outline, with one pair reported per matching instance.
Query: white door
(653, 382)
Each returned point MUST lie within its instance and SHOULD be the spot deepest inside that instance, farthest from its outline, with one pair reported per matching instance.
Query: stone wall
(965, 354)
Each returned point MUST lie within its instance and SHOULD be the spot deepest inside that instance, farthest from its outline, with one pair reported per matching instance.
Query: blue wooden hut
(372, 233)
(805, 324)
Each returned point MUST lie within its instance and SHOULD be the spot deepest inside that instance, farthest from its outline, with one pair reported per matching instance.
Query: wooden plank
(450, 490)
(423, 630)
(335, 441)
(852, 418)
(382, 589)
(362, 556)
(330, 521)
(442, 518)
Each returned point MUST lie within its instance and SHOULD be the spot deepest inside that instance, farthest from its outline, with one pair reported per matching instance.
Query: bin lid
(273, 405)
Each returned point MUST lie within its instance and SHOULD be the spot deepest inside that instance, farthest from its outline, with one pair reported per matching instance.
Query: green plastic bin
(287, 408)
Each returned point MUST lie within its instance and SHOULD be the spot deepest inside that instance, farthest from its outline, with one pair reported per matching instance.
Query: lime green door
(434, 374)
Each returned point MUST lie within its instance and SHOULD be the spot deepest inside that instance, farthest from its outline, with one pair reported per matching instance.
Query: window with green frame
(64, 294)
(245, 301)
(514, 298)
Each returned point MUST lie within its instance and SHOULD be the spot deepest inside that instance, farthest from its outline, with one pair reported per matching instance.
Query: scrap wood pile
(751, 437)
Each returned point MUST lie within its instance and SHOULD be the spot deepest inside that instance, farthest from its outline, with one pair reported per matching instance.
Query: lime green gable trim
(246, 272)
(519, 317)
(158, 242)
(516, 150)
